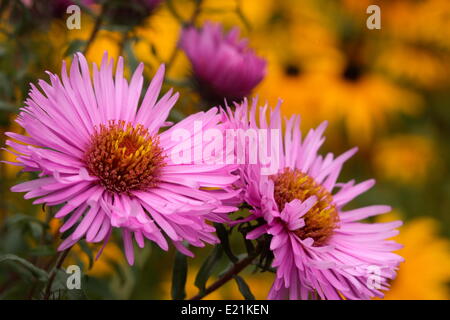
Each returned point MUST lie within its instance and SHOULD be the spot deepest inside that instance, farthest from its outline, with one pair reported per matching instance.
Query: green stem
(62, 256)
(123, 42)
(96, 29)
(230, 274)
(191, 22)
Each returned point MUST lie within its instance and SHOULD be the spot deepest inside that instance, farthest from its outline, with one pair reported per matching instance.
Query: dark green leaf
(36, 229)
(38, 273)
(22, 218)
(42, 251)
(207, 267)
(118, 269)
(249, 246)
(224, 241)
(29, 224)
(179, 277)
(77, 294)
(6, 106)
(244, 288)
(61, 291)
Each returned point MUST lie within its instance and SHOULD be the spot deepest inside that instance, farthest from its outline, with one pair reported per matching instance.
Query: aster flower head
(319, 249)
(104, 161)
(223, 65)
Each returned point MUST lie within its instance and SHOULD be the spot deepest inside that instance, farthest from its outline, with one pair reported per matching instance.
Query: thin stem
(62, 256)
(190, 22)
(196, 13)
(123, 42)
(174, 12)
(242, 16)
(236, 269)
(96, 29)
(48, 216)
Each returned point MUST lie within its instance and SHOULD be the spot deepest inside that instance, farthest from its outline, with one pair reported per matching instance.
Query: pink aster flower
(320, 250)
(104, 161)
(223, 65)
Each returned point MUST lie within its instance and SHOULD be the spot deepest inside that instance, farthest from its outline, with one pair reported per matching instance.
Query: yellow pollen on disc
(322, 219)
(124, 157)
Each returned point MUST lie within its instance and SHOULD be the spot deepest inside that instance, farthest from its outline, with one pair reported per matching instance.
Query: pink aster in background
(320, 250)
(101, 157)
(223, 65)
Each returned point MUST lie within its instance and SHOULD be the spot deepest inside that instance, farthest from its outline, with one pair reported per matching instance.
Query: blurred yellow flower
(363, 106)
(255, 12)
(426, 271)
(425, 22)
(417, 65)
(416, 39)
(327, 77)
(406, 159)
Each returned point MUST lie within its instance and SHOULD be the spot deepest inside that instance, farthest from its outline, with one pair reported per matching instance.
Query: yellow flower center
(322, 218)
(124, 157)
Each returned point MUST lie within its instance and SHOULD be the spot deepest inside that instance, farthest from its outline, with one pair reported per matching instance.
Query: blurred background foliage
(386, 91)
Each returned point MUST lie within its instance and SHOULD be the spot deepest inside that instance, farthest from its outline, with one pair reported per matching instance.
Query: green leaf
(29, 224)
(42, 251)
(207, 268)
(36, 229)
(22, 218)
(5, 89)
(6, 106)
(225, 241)
(231, 265)
(77, 294)
(249, 246)
(244, 288)
(118, 269)
(38, 273)
(179, 277)
(61, 291)
(58, 290)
